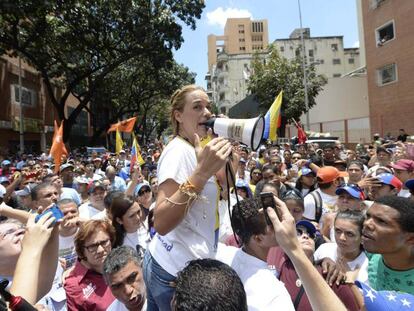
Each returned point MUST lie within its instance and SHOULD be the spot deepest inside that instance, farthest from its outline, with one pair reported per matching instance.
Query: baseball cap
(27, 190)
(386, 150)
(304, 171)
(328, 174)
(242, 160)
(404, 165)
(140, 186)
(352, 189)
(390, 179)
(5, 162)
(97, 159)
(65, 166)
(81, 180)
(410, 184)
(4, 179)
(308, 225)
(95, 185)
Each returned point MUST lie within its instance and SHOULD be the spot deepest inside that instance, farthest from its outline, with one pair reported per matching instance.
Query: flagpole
(305, 79)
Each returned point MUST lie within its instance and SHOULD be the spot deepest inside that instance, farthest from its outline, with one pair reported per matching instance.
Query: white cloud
(219, 16)
(356, 44)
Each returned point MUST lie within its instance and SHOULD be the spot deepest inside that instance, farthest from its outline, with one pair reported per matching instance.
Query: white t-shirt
(197, 235)
(119, 306)
(141, 238)
(405, 193)
(100, 216)
(87, 211)
(330, 250)
(67, 250)
(264, 292)
(328, 204)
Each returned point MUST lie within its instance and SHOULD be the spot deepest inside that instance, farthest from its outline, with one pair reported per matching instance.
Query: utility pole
(305, 78)
(21, 108)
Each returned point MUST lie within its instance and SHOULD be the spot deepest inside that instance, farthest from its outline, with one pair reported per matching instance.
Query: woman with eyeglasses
(348, 250)
(255, 177)
(85, 285)
(128, 219)
(306, 234)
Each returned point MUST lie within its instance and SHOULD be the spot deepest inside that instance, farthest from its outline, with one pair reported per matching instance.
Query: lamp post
(305, 78)
(21, 108)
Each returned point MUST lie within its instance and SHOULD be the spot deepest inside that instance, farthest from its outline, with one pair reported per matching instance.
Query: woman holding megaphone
(188, 194)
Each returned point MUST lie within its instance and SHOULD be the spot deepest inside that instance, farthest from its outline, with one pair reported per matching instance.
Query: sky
(323, 17)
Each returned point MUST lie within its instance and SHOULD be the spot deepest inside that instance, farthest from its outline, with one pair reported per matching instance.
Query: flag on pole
(65, 152)
(135, 153)
(273, 119)
(118, 142)
(123, 126)
(58, 147)
(301, 133)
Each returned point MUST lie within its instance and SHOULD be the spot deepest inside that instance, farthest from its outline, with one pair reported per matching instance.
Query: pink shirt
(87, 290)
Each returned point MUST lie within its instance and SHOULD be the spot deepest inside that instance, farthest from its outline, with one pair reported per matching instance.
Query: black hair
(299, 185)
(295, 195)
(404, 207)
(328, 146)
(358, 163)
(246, 220)
(356, 217)
(316, 159)
(118, 258)
(110, 196)
(209, 285)
(325, 185)
(36, 189)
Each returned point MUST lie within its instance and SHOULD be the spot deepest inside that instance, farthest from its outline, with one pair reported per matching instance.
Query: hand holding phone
(56, 212)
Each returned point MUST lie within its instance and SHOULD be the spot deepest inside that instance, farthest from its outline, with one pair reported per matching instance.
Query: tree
(76, 44)
(136, 88)
(277, 73)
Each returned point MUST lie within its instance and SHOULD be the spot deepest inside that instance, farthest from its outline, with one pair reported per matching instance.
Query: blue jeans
(157, 280)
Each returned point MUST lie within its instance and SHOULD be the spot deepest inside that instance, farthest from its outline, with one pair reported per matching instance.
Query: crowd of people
(102, 232)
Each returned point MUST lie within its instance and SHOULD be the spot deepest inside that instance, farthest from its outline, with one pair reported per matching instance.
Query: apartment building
(328, 53)
(229, 58)
(389, 36)
(38, 111)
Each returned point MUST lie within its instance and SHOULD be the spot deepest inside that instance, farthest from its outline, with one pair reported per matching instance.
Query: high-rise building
(389, 49)
(327, 52)
(229, 58)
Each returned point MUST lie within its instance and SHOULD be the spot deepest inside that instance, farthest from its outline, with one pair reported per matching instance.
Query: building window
(297, 52)
(336, 61)
(222, 96)
(336, 75)
(334, 47)
(241, 31)
(384, 33)
(29, 96)
(242, 48)
(387, 74)
(282, 49)
(376, 3)
(241, 40)
(321, 61)
(310, 52)
(351, 61)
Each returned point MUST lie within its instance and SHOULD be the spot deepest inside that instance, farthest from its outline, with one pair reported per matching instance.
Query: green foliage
(76, 44)
(278, 73)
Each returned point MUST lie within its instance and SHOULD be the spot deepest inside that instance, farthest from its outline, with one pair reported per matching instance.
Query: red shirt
(289, 277)
(87, 290)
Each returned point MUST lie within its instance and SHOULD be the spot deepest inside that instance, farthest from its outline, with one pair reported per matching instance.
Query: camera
(56, 212)
(268, 201)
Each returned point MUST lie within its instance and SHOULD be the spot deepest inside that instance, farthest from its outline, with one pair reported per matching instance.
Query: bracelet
(188, 189)
(177, 203)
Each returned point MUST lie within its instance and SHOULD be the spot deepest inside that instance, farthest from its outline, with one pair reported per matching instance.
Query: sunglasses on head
(142, 192)
(292, 193)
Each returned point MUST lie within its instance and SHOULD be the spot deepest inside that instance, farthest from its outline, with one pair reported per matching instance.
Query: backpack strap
(318, 204)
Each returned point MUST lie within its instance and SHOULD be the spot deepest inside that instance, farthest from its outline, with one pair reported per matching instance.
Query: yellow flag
(275, 116)
(118, 143)
(136, 151)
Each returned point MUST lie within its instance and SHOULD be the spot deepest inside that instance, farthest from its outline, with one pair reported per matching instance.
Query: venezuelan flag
(273, 119)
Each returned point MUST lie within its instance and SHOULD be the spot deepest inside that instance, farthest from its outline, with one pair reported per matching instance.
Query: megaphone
(246, 131)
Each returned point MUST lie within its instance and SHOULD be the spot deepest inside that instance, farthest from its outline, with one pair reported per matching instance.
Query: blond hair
(178, 101)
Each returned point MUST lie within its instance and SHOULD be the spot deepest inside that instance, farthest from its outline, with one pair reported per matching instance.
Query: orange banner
(123, 126)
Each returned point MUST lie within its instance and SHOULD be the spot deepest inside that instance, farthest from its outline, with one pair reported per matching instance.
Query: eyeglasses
(94, 247)
(300, 232)
(142, 192)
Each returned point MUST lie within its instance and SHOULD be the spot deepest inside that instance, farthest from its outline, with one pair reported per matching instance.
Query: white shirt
(119, 306)
(330, 250)
(405, 193)
(264, 292)
(328, 204)
(197, 235)
(87, 211)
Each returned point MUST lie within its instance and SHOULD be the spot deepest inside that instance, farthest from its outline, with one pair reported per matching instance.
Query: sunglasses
(142, 192)
(292, 193)
(301, 231)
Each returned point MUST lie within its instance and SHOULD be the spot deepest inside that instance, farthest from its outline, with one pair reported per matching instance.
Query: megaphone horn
(246, 131)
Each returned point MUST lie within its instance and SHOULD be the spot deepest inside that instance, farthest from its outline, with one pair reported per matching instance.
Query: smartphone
(56, 212)
(268, 201)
